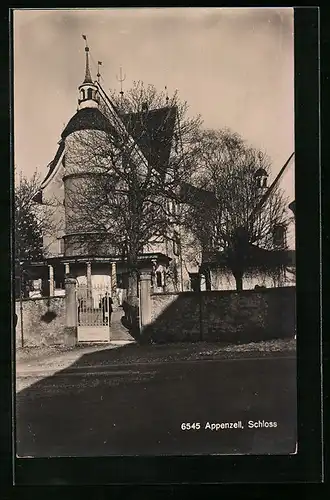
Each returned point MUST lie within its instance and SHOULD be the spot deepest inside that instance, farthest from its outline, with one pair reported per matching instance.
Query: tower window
(279, 236)
(89, 94)
(160, 279)
(83, 94)
(261, 178)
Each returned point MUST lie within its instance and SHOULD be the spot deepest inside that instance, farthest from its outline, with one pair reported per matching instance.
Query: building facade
(176, 263)
(73, 248)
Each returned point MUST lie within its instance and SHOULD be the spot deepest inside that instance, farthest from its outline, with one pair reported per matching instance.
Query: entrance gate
(93, 308)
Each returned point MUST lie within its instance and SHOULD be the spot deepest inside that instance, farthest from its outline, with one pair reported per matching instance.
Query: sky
(234, 66)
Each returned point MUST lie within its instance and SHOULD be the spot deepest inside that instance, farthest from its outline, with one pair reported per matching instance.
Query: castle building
(71, 249)
(99, 264)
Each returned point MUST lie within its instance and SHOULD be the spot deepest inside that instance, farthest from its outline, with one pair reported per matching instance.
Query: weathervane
(99, 63)
(166, 93)
(121, 79)
(85, 38)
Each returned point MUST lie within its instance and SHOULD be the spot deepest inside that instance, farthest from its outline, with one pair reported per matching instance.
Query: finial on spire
(88, 78)
(121, 79)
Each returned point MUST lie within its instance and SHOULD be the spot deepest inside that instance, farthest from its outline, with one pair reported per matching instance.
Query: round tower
(85, 136)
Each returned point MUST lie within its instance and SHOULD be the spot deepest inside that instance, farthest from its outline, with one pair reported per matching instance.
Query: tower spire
(88, 77)
(88, 92)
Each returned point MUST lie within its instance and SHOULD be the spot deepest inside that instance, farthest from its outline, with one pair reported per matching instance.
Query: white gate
(94, 310)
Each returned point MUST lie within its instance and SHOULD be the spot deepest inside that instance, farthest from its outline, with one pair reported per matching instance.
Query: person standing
(107, 309)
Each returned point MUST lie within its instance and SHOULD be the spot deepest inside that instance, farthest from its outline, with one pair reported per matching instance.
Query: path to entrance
(117, 330)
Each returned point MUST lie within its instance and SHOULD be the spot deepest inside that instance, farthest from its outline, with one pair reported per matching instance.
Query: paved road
(138, 409)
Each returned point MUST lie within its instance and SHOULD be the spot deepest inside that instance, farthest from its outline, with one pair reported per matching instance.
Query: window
(59, 277)
(89, 94)
(60, 242)
(159, 281)
(83, 94)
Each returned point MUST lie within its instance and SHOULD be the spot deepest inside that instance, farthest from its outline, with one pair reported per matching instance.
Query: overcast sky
(233, 66)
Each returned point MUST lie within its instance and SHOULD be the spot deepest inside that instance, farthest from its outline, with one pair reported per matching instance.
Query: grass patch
(143, 354)
(269, 346)
(157, 353)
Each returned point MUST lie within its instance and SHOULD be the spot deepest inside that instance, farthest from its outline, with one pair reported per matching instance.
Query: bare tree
(244, 231)
(123, 190)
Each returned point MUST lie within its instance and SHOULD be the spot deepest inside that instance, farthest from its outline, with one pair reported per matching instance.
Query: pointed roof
(88, 119)
(88, 76)
(153, 132)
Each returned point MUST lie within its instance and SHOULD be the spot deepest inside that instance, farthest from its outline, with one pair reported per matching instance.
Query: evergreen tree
(28, 230)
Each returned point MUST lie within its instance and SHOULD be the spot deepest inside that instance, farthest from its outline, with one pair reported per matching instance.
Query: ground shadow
(105, 404)
(130, 320)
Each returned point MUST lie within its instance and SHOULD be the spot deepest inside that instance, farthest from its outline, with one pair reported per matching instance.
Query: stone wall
(247, 316)
(175, 317)
(43, 321)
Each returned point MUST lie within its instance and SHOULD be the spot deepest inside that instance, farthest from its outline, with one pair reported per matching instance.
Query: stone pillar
(89, 285)
(110, 284)
(145, 300)
(71, 330)
(51, 281)
(114, 277)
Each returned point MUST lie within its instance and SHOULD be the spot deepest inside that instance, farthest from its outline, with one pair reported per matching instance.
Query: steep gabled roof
(196, 196)
(52, 165)
(153, 131)
(37, 198)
